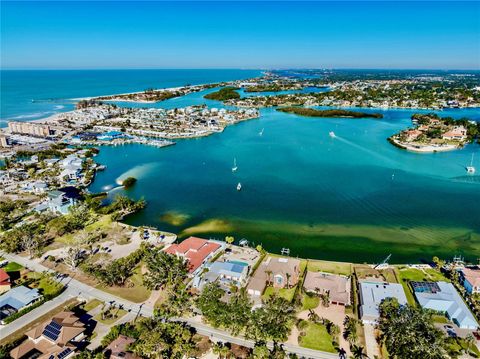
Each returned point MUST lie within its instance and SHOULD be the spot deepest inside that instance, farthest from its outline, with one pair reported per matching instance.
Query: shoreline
(423, 149)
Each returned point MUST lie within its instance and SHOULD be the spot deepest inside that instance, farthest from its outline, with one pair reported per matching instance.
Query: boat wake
(366, 150)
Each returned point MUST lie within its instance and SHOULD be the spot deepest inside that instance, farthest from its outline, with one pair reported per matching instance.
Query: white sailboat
(470, 169)
(261, 132)
(239, 186)
(234, 168)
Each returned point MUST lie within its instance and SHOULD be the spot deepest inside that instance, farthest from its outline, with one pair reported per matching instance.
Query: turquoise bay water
(354, 198)
(327, 198)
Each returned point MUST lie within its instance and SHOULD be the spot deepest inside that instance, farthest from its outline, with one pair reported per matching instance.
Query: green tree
(221, 349)
(214, 310)
(260, 351)
(164, 270)
(358, 352)
(409, 332)
(159, 339)
(273, 321)
(240, 309)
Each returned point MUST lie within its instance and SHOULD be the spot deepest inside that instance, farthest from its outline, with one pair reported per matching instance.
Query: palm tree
(269, 276)
(470, 341)
(358, 353)
(312, 316)
(221, 350)
(326, 299)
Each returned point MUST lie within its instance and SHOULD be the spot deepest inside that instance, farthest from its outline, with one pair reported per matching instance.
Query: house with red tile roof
(5, 283)
(457, 133)
(197, 251)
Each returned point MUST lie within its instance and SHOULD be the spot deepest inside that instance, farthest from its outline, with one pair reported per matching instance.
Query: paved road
(82, 290)
(219, 335)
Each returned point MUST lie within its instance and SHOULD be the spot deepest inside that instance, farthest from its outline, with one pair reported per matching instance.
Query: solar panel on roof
(53, 328)
(64, 353)
(425, 287)
(55, 325)
(50, 335)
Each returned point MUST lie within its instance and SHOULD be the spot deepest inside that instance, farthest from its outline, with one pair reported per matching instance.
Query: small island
(224, 94)
(273, 87)
(432, 133)
(129, 182)
(310, 112)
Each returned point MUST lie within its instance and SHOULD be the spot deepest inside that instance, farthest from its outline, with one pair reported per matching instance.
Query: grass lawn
(138, 293)
(438, 318)
(436, 276)
(389, 275)
(316, 337)
(310, 301)
(45, 284)
(417, 275)
(288, 294)
(91, 305)
(118, 314)
(103, 224)
(330, 267)
(12, 267)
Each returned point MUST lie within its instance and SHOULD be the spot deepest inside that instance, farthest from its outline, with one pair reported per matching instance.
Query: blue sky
(271, 34)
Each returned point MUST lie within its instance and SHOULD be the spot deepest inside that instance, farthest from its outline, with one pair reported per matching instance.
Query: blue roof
(19, 297)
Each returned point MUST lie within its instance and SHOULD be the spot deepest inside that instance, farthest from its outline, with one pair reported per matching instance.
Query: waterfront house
(412, 135)
(71, 168)
(16, 299)
(373, 293)
(471, 280)
(197, 251)
(442, 297)
(280, 272)
(5, 283)
(225, 273)
(457, 133)
(336, 286)
(55, 338)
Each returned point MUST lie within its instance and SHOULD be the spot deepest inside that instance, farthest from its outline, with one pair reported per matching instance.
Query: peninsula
(432, 133)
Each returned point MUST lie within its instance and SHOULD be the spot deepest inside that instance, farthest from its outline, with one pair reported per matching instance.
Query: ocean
(34, 94)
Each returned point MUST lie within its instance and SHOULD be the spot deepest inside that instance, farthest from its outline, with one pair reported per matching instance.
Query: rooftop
(443, 297)
(338, 286)
(472, 275)
(19, 297)
(373, 293)
(195, 250)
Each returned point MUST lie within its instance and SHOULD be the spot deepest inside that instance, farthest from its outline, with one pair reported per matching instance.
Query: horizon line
(236, 68)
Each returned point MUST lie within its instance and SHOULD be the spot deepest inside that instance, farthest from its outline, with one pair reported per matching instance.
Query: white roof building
(443, 297)
(373, 293)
